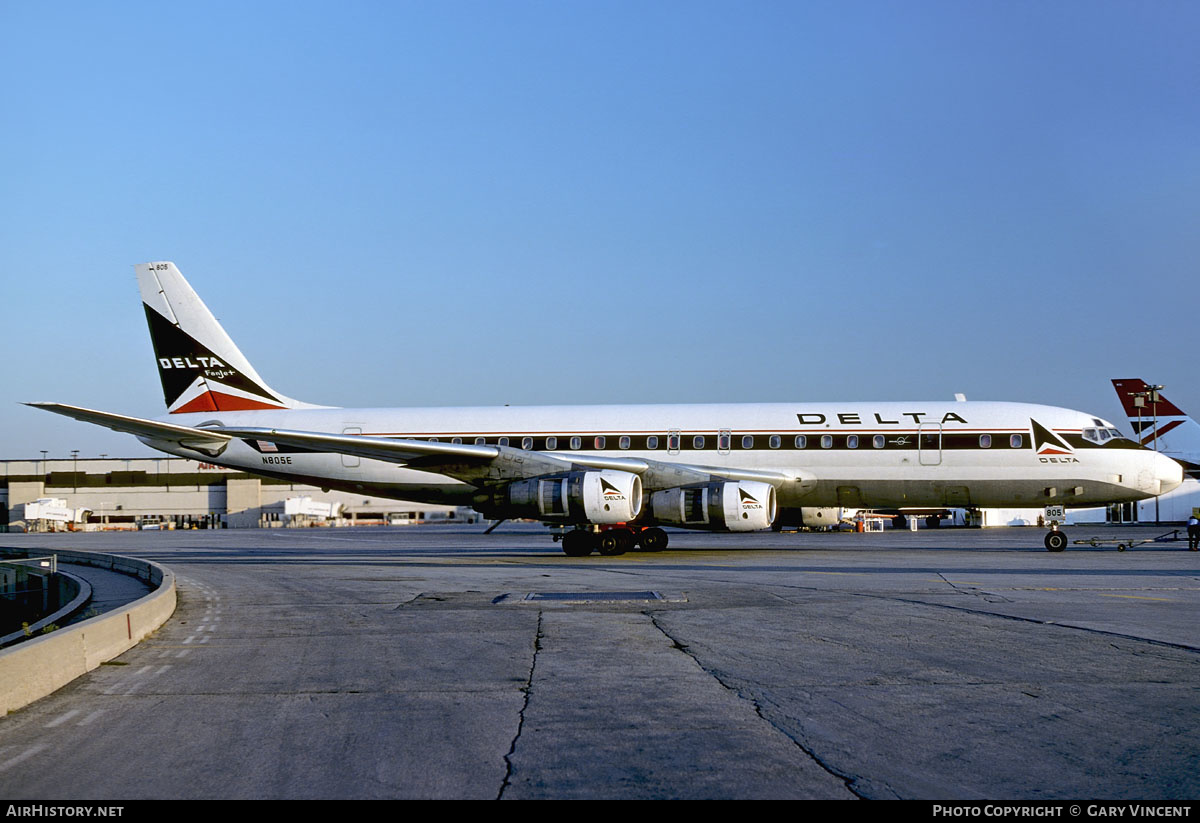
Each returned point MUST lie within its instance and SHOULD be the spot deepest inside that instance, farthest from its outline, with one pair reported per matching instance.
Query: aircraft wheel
(653, 540)
(577, 543)
(627, 540)
(1056, 541)
(933, 521)
(899, 522)
(1120, 547)
(610, 543)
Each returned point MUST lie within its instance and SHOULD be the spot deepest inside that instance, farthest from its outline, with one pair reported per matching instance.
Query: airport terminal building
(172, 492)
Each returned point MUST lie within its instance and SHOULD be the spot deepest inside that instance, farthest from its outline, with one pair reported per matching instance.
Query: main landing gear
(612, 541)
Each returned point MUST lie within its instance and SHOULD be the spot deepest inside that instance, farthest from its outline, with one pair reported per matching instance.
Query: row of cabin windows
(775, 441)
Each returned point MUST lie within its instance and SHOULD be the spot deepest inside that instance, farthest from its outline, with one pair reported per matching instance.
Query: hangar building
(172, 492)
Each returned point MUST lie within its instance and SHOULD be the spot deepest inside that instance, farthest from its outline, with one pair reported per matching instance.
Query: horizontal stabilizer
(202, 440)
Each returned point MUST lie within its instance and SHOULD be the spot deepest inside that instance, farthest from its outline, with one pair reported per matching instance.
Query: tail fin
(1160, 423)
(201, 368)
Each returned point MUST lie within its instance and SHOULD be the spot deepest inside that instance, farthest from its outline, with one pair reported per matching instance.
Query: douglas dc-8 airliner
(612, 476)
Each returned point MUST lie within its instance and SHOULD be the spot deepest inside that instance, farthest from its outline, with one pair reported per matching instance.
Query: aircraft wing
(478, 465)
(202, 440)
(661, 475)
(483, 464)
(392, 450)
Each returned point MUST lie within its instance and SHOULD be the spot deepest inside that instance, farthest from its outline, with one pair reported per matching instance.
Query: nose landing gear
(1055, 541)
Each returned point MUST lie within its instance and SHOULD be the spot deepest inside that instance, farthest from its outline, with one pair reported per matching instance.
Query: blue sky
(461, 203)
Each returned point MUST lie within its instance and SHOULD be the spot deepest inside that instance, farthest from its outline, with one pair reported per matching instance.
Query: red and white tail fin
(201, 368)
(1159, 423)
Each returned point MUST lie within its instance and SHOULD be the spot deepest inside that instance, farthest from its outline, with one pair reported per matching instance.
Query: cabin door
(929, 444)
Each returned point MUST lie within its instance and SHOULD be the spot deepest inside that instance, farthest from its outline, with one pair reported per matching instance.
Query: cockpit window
(1100, 436)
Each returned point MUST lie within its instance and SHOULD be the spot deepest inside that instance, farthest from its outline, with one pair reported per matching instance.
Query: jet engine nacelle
(601, 497)
(723, 505)
(814, 517)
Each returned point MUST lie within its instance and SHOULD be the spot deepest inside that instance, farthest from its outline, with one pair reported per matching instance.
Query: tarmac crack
(1036, 621)
(1013, 617)
(990, 597)
(847, 780)
(528, 690)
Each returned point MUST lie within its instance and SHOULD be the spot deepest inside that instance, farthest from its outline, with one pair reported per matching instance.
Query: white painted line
(63, 718)
(25, 755)
(87, 720)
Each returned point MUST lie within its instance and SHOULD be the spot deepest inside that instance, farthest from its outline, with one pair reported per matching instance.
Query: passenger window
(852, 441)
(652, 442)
(775, 441)
(480, 441)
(801, 441)
(598, 443)
(827, 441)
(576, 442)
(1016, 441)
(624, 441)
(527, 443)
(698, 441)
(748, 441)
(879, 441)
(985, 441)
(673, 442)
(503, 441)
(433, 440)
(723, 440)
(551, 442)
(456, 440)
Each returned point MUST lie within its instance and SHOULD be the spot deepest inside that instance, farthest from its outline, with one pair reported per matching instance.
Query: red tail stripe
(219, 401)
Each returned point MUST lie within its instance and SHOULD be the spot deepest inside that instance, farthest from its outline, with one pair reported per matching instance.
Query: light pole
(75, 470)
(1150, 393)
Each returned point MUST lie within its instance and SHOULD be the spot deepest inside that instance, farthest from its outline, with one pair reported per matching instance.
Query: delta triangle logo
(1047, 442)
(610, 492)
(186, 366)
(748, 500)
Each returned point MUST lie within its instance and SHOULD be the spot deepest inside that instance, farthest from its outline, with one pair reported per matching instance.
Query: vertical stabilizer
(1159, 425)
(201, 368)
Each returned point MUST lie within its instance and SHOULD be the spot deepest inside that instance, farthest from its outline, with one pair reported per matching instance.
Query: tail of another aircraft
(1161, 425)
(201, 368)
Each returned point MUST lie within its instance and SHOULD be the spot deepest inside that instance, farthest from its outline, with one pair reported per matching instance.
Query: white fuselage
(909, 454)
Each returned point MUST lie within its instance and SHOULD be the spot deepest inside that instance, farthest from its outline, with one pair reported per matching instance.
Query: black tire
(899, 522)
(626, 540)
(1055, 541)
(1120, 547)
(610, 543)
(577, 544)
(933, 521)
(653, 540)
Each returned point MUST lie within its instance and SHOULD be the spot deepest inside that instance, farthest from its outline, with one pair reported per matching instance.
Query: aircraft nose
(1168, 472)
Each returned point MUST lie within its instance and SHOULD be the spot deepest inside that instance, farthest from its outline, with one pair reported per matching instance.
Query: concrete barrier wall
(35, 668)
